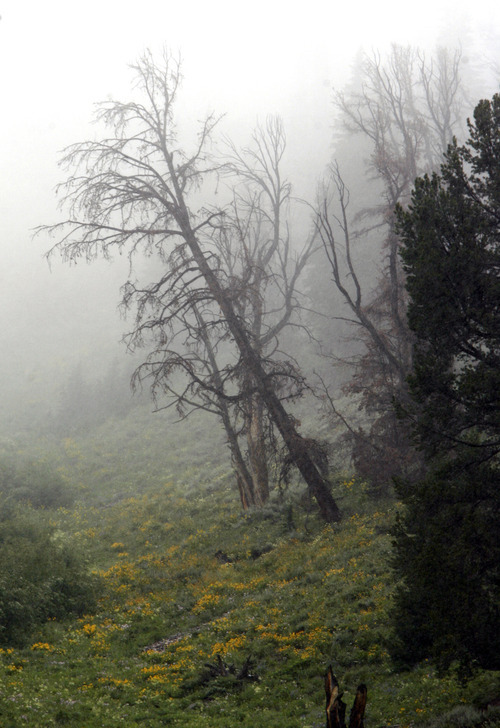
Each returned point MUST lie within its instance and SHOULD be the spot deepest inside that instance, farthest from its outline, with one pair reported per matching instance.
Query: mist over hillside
(54, 320)
(249, 364)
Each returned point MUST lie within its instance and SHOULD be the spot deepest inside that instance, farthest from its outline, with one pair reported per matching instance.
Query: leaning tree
(136, 190)
(195, 365)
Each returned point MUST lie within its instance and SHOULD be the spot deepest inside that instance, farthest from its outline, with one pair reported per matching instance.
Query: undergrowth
(210, 617)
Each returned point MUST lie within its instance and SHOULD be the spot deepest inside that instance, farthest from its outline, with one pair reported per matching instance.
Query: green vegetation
(448, 547)
(134, 589)
(42, 578)
(34, 483)
(207, 615)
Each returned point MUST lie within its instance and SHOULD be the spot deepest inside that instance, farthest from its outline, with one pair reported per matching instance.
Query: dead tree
(130, 191)
(252, 252)
(407, 110)
(336, 708)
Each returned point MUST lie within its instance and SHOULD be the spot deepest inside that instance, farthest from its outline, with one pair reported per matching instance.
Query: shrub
(41, 578)
(34, 483)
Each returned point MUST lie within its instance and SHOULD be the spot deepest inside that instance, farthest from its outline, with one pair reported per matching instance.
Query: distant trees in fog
(85, 402)
(403, 111)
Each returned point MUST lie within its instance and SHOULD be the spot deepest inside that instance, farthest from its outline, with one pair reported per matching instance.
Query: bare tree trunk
(245, 485)
(244, 479)
(243, 476)
(256, 449)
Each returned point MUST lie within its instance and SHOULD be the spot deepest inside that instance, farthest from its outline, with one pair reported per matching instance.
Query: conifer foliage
(448, 551)
(451, 254)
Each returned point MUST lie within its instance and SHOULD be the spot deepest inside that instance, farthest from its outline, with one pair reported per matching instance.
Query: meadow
(208, 616)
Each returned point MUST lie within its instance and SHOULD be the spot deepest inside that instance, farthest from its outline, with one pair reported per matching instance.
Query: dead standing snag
(130, 192)
(358, 709)
(336, 708)
(407, 110)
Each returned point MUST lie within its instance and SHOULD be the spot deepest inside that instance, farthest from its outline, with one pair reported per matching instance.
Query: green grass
(189, 583)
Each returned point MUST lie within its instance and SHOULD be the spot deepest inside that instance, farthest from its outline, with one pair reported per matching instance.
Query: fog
(244, 60)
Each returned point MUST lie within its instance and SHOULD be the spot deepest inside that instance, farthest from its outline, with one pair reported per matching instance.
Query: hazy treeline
(84, 309)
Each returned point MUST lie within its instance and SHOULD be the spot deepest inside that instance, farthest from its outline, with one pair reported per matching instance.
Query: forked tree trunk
(335, 706)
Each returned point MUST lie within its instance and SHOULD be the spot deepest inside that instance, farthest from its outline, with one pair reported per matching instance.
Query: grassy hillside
(208, 617)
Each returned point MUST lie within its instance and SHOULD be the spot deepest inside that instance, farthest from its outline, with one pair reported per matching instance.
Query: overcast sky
(246, 59)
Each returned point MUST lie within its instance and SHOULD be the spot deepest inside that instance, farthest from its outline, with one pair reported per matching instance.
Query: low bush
(41, 578)
(33, 482)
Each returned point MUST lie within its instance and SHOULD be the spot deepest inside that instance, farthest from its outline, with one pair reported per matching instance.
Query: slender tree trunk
(243, 491)
(244, 483)
(256, 449)
(244, 478)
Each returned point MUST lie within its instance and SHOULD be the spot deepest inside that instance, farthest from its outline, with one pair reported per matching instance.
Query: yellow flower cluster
(333, 572)
(187, 647)
(205, 602)
(113, 681)
(172, 674)
(42, 647)
(250, 584)
(98, 635)
(232, 645)
(153, 670)
(139, 605)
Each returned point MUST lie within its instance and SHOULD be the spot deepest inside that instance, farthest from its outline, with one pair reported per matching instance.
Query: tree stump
(336, 708)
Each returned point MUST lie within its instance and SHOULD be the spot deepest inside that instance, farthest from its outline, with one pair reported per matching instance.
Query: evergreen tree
(447, 546)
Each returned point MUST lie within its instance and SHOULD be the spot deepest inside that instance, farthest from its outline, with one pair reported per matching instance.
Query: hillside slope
(211, 617)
